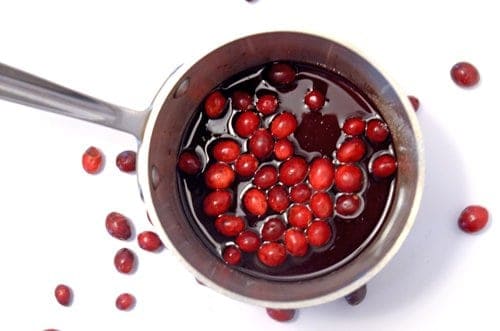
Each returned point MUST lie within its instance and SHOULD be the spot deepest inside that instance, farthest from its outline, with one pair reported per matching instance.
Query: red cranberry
(299, 216)
(281, 315)
(319, 233)
(300, 193)
(296, 242)
(189, 163)
(215, 104)
(414, 102)
(277, 198)
(261, 144)
(351, 150)
(283, 149)
(384, 166)
(271, 254)
(63, 294)
(124, 260)
(348, 178)
(473, 218)
(315, 100)
(149, 241)
(92, 160)
(118, 226)
(226, 150)
(242, 100)
(125, 161)
(348, 204)
(219, 176)
(322, 204)
(293, 171)
(265, 177)
(283, 125)
(356, 297)
(255, 202)
(267, 104)
(231, 255)
(273, 229)
(248, 241)
(464, 74)
(217, 202)
(281, 74)
(125, 301)
(354, 126)
(246, 123)
(377, 131)
(229, 225)
(321, 173)
(246, 165)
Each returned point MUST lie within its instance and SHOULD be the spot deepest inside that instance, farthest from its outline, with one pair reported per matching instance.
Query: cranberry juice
(305, 197)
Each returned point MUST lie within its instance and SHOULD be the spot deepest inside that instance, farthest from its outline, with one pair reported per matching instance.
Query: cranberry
(384, 166)
(255, 202)
(299, 216)
(283, 149)
(293, 171)
(246, 165)
(348, 178)
(414, 102)
(217, 202)
(271, 254)
(229, 225)
(226, 150)
(246, 123)
(464, 74)
(473, 218)
(300, 193)
(354, 126)
(124, 260)
(265, 177)
(351, 150)
(319, 233)
(92, 160)
(267, 104)
(377, 131)
(281, 315)
(242, 100)
(348, 204)
(118, 226)
(281, 74)
(277, 198)
(149, 241)
(273, 229)
(283, 125)
(296, 242)
(63, 294)
(189, 163)
(248, 241)
(125, 301)
(315, 100)
(356, 297)
(215, 104)
(219, 176)
(231, 255)
(125, 161)
(322, 204)
(321, 173)
(261, 144)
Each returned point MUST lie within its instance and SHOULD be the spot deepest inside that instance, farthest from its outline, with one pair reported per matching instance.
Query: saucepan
(159, 131)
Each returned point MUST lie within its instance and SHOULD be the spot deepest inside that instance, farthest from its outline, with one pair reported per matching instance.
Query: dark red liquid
(319, 133)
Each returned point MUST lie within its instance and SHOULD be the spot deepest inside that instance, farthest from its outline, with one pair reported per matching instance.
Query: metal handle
(21, 87)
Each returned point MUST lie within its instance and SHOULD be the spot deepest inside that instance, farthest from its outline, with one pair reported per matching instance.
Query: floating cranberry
(377, 131)
(125, 161)
(321, 173)
(226, 150)
(464, 74)
(319, 233)
(283, 125)
(189, 163)
(271, 254)
(281, 74)
(299, 216)
(231, 255)
(219, 176)
(296, 242)
(229, 225)
(118, 226)
(246, 123)
(277, 199)
(473, 218)
(384, 166)
(356, 297)
(265, 177)
(125, 301)
(315, 100)
(354, 126)
(414, 102)
(246, 165)
(283, 149)
(300, 193)
(255, 202)
(267, 104)
(124, 260)
(351, 150)
(215, 104)
(63, 294)
(281, 315)
(273, 229)
(348, 178)
(242, 100)
(261, 144)
(321, 205)
(217, 202)
(149, 241)
(248, 241)
(92, 160)
(347, 204)
(293, 171)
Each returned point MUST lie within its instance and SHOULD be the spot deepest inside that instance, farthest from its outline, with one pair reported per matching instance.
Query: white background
(52, 213)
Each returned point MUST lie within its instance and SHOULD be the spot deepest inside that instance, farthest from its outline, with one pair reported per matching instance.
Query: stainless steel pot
(159, 130)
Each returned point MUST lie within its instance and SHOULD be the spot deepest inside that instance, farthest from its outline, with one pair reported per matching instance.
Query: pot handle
(23, 88)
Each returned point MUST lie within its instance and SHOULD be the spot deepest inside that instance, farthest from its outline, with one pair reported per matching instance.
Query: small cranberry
(376, 131)
(283, 125)
(384, 166)
(189, 163)
(265, 177)
(319, 233)
(473, 218)
(217, 202)
(149, 241)
(125, 161)
(273, 229)
(354, 126)
(293, 171)
(124, 260)
(92, 160)
(261, 144)
(242, 100)
(277, 198)
(125, 301)
(229, 225)
(246, 123)
(300, 193)
(118, 226)
(315, 100)
(296, 242)
(267, 104)
(321, 173)
(63, 294)
(356, 297)
(283, 149)
(464, 74)
(271, 254)
(347, 204)
(248, 241)
(215, 104)
(219, 176)
(255, 202)
(321, 205)
(351, 150)
(246, 165)
(281, 315)
(231, 255)
(299, 216)
(281, 74)
(414, 102)
(348, 178)
(226, 150)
